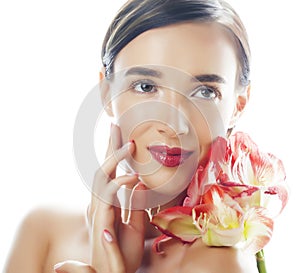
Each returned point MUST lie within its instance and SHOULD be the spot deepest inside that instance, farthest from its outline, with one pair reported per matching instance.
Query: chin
(170, 180)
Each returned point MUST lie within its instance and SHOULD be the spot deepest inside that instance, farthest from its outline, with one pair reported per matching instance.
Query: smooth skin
(46, 232)
(55, 241)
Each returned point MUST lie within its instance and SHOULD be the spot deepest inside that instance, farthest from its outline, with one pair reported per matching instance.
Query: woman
(175, 76)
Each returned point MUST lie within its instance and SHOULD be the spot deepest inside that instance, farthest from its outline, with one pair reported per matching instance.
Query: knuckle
(101, 175)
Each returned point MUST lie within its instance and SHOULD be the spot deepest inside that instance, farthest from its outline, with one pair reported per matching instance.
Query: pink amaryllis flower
(232, 201)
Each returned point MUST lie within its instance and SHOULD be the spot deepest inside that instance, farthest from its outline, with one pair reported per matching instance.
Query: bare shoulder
(49, 222)
(200, 258)
(38, 229)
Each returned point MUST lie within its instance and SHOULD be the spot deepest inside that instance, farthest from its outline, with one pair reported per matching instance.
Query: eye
(207, 92)
(144, 86)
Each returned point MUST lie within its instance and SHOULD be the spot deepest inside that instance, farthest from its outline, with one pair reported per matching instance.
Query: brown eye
(206, 92)
(144, 87)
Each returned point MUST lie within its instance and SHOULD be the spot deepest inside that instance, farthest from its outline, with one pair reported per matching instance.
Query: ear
(241, 102)
(105, 93)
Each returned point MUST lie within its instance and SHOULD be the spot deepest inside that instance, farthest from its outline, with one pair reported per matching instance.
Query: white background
(49, 61)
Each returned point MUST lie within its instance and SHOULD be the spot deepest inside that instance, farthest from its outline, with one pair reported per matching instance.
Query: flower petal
(177, 222)
(230, 201)
(157, 242)
(194, 189)
(258, 230)
(222, 237)
(275, 199)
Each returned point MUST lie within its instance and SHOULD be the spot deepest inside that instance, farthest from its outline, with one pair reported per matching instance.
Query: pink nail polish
(57, 268)
(132, 141)
(141, 186)
(107, 236)
(133, 174)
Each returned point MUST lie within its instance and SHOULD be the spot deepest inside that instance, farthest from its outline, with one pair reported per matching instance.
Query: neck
(177, 201)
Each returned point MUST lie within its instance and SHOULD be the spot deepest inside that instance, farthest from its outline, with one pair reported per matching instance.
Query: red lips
(169, 157)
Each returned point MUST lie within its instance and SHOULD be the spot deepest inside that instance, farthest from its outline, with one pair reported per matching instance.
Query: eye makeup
(147, 81)
(144, 86)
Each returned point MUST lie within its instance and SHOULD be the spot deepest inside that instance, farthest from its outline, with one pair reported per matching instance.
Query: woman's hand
(117, 247)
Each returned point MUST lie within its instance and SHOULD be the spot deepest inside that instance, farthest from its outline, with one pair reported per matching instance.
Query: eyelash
(214, 89)
(141, 82)
(135, 84)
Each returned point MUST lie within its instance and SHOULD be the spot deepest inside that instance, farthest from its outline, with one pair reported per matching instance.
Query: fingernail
(126, 146)
(107, 236)
(59, 271)
(132, 141)
(141, 186)
(57, 266)
(112, 127)
(133, 174)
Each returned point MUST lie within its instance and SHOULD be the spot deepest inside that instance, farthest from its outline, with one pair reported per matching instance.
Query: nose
(170, 131)
(175, 121)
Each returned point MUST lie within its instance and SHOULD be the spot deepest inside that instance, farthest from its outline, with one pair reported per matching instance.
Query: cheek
(227, 110)
(120, 106)
(216, 117)
(143, 136)
(207, 121)
(126, 115)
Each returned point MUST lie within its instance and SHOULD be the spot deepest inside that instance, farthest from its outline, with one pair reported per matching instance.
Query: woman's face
(173, 92)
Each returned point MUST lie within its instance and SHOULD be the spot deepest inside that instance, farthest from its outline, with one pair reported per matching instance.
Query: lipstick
(169, 157)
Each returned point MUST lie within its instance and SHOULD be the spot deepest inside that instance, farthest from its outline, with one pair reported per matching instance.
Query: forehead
(196, 48)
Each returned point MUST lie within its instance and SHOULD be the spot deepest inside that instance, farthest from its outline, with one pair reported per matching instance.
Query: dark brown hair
(138, 16)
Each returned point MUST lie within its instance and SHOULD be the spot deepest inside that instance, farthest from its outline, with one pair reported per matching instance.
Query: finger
(100, 211)
(105, 218)
(113, 187)
(110, 164)
(115, 138)
(105, 197)
(104, 174)
(138, 202)
(134, 230)
(113, 160)
(115, 259)
(108, 195)
(135, 200)
(73, 267)
(106, 255)
(114, 143)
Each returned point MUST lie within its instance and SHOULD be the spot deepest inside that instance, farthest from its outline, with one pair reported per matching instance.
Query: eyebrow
(143, 71)
(209, 78)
